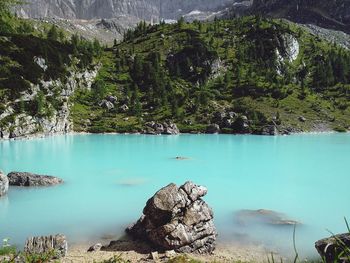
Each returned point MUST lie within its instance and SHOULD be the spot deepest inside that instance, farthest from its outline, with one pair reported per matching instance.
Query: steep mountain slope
(37, 77)
(248, 75)
(150, 10)
(334, 14)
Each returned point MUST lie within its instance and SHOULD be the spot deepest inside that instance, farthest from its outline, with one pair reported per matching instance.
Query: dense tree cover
(188, 71)
(28, 57)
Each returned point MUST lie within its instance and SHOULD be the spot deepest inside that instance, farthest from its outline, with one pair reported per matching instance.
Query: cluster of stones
(176, 218)
(155, 128)
(110, 102)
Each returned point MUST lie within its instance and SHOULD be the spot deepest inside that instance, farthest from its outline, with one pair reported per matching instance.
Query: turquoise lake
(108, 179)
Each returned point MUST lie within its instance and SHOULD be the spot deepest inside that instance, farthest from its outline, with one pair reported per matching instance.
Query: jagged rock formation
(335, 248)
(29, 179)
(177, 218)
(45, 244)
(151, 10)
(4, 184)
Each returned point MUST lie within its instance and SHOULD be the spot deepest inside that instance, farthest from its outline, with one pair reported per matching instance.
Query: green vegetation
(36, 67)
(6, 248)
(188, 72)
(246, 75)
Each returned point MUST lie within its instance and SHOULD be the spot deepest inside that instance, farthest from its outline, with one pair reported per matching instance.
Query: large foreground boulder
(176, 218)
(29, 179)
(335, 248)
(4, 184)
(46, 244)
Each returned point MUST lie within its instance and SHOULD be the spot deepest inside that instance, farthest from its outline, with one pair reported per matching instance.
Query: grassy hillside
(248, 75)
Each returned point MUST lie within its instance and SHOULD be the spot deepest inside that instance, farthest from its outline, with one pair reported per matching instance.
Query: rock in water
(45, 244)
(334, 248)
(176, 218)
(4, 184)
(29, 179)
(264, 216)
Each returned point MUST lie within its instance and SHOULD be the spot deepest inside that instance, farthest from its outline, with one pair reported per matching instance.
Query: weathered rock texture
(45, 244)
(335, 248)
(29, 179)
(177, 218)
(143, 9)
(25, 125)
(4, 184)
(167, 128)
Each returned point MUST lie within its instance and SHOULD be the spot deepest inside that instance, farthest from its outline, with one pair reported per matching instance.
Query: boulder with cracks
(176, 218)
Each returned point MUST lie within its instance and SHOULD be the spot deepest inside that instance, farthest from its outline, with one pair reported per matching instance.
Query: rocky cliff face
(151, 10)
(24, 124)
(333, 14)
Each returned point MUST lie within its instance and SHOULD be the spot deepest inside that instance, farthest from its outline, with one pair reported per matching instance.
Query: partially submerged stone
(29, 179)
(176, 218)
(335, 248)
(4, 184)
(264, 216)
(47, 244)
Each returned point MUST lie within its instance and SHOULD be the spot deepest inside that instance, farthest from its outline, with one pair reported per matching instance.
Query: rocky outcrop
(263, 216)
(29, 179)
(335, 248)
(4, 184)
(106, 104)
(150, 10)
(177, 218)
(167, 128)
(46, 244)
(25, 125)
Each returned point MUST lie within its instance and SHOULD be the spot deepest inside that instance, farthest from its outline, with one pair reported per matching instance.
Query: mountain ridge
(149, 10)
(332, 14)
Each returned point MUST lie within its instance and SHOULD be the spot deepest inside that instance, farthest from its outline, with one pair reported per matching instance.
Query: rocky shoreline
(43, 136)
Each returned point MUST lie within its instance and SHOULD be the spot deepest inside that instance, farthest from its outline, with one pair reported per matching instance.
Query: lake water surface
(108, 179)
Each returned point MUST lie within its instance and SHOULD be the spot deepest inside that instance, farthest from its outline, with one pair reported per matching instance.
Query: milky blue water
(108, 179)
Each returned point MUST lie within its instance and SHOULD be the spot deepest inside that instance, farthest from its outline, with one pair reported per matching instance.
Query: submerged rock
(45, 244)
(4, 184)
(335, 248)
(263, 216)
(29, 179)
(176, 218)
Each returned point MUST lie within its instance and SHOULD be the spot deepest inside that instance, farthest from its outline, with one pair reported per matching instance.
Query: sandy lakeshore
(232, 252)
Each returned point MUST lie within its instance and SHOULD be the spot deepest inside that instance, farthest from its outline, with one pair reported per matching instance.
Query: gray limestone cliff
(151, 10)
